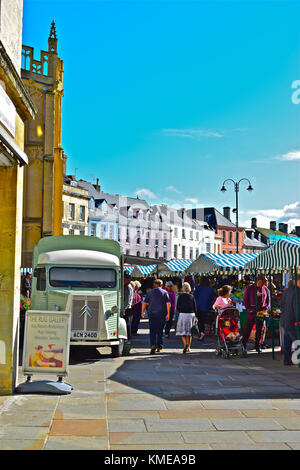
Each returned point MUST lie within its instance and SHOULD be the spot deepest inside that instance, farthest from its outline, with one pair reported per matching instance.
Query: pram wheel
(225, 355)
(218, 352)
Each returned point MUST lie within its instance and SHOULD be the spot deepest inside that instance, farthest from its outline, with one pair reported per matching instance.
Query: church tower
(43, 181)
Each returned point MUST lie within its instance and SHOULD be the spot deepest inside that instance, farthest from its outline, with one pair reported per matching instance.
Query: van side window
(41, 279)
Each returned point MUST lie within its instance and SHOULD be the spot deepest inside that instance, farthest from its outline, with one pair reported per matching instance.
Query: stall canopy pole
(297, 306)
(271, 314)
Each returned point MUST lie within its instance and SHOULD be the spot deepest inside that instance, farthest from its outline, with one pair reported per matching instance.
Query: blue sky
(167, 99)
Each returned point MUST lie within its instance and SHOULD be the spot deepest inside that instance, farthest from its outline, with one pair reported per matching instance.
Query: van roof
(78, 257)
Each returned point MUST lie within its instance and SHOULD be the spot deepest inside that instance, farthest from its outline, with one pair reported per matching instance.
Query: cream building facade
(75, 208)
(16, 107)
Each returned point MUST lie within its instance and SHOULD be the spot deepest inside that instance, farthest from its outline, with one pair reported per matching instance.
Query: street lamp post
(236, 185)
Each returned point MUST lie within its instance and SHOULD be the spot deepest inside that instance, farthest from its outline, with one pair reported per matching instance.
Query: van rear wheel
(117, 350)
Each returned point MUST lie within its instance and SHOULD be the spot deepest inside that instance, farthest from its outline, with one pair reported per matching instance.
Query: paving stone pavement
(168, 401)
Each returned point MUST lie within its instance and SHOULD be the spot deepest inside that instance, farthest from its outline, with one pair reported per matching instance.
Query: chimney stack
(273, 225)
(283, 228)
(226, 212)
(97, 185)
(254, 223)
(297, 230)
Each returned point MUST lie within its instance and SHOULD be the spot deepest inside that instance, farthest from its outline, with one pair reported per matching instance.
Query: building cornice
(15, 87)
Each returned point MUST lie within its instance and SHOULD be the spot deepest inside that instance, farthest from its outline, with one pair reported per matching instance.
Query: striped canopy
(176, 265)
(143, 270)
(284, 254)
(129, 269)
(210, 262)
(24, 271)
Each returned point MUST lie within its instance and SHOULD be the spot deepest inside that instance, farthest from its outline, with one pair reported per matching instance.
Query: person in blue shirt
(204, 297)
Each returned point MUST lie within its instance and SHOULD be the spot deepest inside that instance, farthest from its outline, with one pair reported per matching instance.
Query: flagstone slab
(145, 438)
(238, 404)
(26, 418)
(79, 427)
(245, 424)
(22, 444)
(154, 447)
(33, 433)
(76, 443)
(81, 411)
(291, 423)
(34, 403)
(179, 424)
(217, 437)
(199, 413)
(270, 413)
(275, 436)
(262, 446)
(126, 425)
(134, 402)
(138, 414)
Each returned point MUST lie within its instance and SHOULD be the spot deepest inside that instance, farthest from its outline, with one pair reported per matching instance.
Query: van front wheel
(117, 351)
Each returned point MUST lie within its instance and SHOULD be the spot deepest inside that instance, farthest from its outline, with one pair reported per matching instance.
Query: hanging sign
(46, 343)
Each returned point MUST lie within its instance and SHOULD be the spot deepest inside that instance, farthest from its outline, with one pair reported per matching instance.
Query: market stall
(141, 271)
(283, 256)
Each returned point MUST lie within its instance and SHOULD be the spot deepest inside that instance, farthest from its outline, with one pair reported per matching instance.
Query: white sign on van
(7, 112)
(46, 342)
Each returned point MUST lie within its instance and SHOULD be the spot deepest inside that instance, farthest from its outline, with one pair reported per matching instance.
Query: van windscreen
(101, 278)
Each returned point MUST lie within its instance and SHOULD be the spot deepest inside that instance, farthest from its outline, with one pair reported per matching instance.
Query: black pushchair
(233, 346)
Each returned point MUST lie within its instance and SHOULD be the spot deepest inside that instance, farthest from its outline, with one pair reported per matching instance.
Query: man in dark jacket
(288, 320)
(158, 305)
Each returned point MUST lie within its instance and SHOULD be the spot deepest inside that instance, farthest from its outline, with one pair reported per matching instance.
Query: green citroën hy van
(82, 275)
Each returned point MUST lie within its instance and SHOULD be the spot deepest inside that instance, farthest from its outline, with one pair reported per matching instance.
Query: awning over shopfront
(284, 254)
(210, 262)
(9, 150)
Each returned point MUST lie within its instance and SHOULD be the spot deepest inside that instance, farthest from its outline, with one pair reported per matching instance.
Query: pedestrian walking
(158, 307)
(186, 307)
(128, 300)
(259, 294)
(172, 297)
(26, 285)
(136, 309)
(288, 319)
(204, 297)
(223, 300)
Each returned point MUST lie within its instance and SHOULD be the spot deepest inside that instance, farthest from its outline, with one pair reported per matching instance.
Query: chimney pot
(226, 212)
(297, 230)
(254, 223)
(273, 225)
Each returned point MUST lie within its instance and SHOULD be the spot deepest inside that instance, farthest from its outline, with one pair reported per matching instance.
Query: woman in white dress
(186, 307)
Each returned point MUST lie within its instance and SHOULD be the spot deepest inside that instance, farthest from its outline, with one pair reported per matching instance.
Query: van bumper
(97, 343)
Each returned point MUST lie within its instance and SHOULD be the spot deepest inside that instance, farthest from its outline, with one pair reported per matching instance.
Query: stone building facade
(43, 184)
(16, 107)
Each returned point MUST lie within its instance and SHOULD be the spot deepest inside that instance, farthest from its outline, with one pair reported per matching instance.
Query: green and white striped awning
(24, 271)
(209, 262)
(284, 254)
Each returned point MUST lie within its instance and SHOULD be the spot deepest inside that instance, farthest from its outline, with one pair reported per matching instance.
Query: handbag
(195, 330)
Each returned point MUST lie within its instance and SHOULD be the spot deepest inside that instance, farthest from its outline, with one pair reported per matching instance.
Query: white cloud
(144, 192)
(193, 200)
(173, 189)
(292, 156)
(289, 214)
(191, 133)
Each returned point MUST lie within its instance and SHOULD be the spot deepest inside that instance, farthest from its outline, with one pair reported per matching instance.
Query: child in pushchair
(227, 330)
